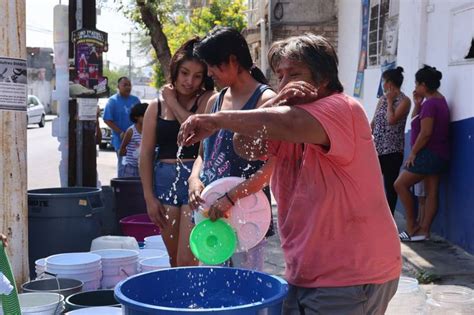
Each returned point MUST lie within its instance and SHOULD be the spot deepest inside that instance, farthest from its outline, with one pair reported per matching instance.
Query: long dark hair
(429, 76)
(313, 50)
(222, 42)
(394, 75)
(186, 53)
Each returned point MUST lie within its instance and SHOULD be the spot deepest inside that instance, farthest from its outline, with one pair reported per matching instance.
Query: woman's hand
(220, 208)
(295, 93)
(194, 195)
(169, 93)
(156, 211)
(410, 161)
(417, 99)
(390, 95)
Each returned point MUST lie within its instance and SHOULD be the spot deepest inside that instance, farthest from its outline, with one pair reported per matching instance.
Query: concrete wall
(428, 34)
(303, 12)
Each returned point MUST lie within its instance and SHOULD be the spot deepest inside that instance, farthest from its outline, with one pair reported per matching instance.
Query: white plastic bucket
(117, 264)
(71, 260)
(100, 310)
(150, 252)
(114, 241)
(40, 267)
(155, 242)
(154, 263)
(43, 303)
(86, 267)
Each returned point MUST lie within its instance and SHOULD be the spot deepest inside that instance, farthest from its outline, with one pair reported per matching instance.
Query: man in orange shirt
(338, 236)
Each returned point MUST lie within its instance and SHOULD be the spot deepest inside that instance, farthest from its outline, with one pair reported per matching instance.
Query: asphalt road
(43, 159)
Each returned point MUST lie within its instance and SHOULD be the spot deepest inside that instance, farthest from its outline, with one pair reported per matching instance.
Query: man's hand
(197, 128)
(295, 93)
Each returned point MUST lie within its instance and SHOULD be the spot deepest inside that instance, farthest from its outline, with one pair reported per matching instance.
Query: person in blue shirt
(117, 115)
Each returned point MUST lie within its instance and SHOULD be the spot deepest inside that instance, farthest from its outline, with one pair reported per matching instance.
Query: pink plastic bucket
(138, 226)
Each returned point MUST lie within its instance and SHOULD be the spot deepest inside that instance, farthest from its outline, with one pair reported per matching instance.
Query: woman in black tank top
(164, 180)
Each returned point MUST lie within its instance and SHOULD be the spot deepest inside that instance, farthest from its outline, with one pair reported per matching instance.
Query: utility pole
(13, 98)
(130, 55)
(82, 146)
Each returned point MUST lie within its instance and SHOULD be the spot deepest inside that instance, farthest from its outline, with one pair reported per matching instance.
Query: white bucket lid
(71, 260)
(250, 217)
(100, 310)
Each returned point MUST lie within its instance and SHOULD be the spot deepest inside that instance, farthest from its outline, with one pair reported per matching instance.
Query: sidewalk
(435, 262)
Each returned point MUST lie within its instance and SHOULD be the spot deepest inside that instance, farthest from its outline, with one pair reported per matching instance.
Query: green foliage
(202, 20)
(178, 27)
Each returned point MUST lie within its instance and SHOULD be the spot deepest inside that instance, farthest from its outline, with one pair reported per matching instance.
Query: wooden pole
(13, 174)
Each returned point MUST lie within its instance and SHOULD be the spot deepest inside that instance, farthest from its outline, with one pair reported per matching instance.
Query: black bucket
(129, 199)
(63, 286)
(91, 299)
(62, 220)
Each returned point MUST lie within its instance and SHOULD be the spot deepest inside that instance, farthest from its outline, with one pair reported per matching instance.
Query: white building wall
(349, 21)
(424, 36)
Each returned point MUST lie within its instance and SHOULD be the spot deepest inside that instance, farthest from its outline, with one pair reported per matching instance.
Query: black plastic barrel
(62, 220)
(109, 217)
(129, 198)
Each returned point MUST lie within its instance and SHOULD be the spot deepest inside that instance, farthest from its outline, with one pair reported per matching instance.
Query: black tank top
(167, 137)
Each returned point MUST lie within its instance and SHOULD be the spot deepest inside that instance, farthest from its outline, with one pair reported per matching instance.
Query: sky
(39, 29)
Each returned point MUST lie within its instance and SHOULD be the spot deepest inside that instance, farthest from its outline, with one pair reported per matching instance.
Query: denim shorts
(171, 182)
(428, 163)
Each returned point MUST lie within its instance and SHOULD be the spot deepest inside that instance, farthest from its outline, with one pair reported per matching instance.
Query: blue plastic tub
(202, 290)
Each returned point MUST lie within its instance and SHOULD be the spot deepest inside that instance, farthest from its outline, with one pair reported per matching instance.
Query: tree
(169, 25)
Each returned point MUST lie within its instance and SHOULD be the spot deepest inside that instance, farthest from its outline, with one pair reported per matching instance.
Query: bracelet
(228, 198)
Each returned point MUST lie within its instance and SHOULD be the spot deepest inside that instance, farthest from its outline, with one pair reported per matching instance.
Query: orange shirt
(335, 225)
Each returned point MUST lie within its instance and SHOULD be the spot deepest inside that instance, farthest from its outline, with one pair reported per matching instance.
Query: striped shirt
(133, 148)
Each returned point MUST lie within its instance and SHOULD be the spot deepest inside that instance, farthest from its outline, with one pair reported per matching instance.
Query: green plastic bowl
(213, 242)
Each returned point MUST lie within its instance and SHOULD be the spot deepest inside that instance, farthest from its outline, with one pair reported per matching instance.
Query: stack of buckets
(157, 261)
(155, 242)
(86, 267)
(117, 264)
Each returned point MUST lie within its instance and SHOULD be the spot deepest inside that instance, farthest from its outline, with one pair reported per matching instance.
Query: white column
(61, 93)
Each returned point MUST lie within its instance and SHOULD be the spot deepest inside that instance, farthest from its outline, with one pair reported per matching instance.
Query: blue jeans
(119, 164)
(171, 183)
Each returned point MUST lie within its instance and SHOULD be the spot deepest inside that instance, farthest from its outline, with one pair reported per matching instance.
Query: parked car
(105, 130)
(35, 113)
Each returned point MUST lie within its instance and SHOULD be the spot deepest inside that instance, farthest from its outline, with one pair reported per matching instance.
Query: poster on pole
(13, 84)
(363, 50)
(87, 108)
(89, 45)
